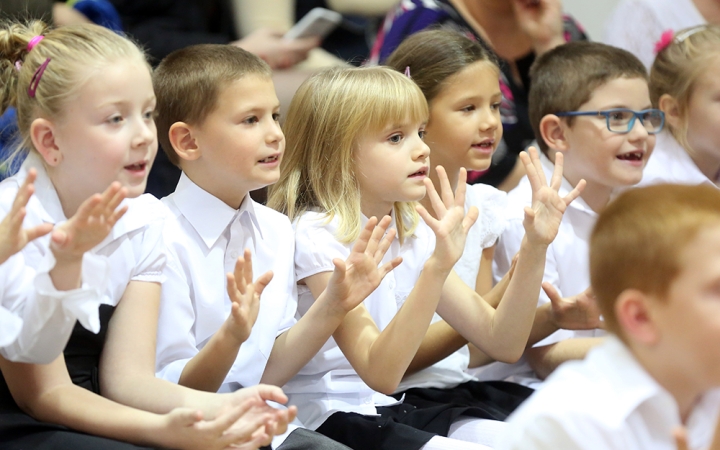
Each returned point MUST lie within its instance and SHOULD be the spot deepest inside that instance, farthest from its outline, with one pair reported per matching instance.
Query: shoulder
(268, 217)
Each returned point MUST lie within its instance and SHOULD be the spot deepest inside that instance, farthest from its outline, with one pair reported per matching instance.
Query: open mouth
(487, 145)
(420, 173)
(269, 159)
(632, 156)
(137, 167)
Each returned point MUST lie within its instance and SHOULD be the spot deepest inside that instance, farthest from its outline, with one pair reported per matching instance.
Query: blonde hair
(74, 53)
(677, 68)
(639, 239)
(330, 112)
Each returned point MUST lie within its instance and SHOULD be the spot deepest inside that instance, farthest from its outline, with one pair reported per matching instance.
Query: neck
(708, 165)
(230, 194)
(709, 9)
(375, 209)
(680, 383)
(68, 192)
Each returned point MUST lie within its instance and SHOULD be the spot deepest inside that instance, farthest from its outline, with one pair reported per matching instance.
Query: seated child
(654, 259)
(685, 84)
(590, 102)
(218, 121)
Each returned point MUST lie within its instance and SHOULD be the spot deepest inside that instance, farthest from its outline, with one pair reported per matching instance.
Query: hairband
(407, 72)
(668, 37)
(34, 41)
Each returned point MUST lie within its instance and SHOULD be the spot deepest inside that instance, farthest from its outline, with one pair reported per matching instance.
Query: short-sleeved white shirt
(670, 163)
(133, 251)
(606, 401)
(205, 237)
(491, 222)
(566, 266)
(15, 282)
(328, 383)
(636, 25)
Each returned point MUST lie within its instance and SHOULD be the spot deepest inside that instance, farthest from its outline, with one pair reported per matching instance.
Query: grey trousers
(304, 439)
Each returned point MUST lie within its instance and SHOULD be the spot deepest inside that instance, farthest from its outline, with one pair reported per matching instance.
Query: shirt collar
(209, 215)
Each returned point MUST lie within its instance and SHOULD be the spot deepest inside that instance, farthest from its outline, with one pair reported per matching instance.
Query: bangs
(397, 99)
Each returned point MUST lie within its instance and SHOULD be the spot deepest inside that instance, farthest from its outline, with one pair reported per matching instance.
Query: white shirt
(670, 163)
(129, 252)
(566, 266)
(208, 236)
(328, 383)
(607, 401)
(492, 221)
(15, 280)
(636, 25)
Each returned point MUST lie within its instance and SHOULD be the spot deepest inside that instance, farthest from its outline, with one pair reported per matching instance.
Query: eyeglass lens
(622, 121)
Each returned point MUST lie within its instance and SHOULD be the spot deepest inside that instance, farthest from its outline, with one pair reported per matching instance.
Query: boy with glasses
(591, 103)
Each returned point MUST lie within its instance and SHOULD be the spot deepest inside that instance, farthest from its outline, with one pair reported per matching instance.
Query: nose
(274, 133)
(421, 151)
(146, 133)
(638, 131)
(489, 119)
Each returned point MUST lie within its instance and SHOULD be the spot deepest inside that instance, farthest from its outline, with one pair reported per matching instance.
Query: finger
(362, 241)
(232, 288)
(262, 282)
(248, 266)
(425, 215)
(115, 200)
(530, 171)
(470, 218)
(338, 275)
(557, 175)
(388, 267)
(377, 235)
(16, 219)
(117, 215)
(551, 292)
(680, 435)
(24, 193)
(271, 393)
(529, 216)
(87, 208)
(434, 198)
(292, 413)
(185, 417)
(461, 188)
(537, 163)
(40, 230)
(239, 275)
(59, 238)
(384, 246)
(445, 187)
(575, 193)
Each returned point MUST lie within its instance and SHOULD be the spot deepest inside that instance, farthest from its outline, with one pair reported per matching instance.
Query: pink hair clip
(665, 39)
(34, 41)
(407, 72)
(18, 65)
(36, 78)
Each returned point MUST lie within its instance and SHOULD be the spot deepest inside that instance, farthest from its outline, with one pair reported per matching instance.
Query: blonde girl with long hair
(85, 102)
(355, 151)
(685, 85)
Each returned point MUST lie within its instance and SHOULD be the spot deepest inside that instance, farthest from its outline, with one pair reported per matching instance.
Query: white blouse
(670, 163)
(328, 383)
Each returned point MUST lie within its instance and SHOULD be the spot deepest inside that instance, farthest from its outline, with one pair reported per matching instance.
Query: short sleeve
(316, 245)
(149, 247)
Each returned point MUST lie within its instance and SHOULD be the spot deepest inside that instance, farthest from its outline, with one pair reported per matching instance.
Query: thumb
(680, 435)
(185, 417)
(60, 238)
(551, 292)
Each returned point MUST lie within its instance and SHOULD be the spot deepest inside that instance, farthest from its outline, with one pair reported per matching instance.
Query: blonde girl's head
(692, 55)
(326, 119)
(72, 53)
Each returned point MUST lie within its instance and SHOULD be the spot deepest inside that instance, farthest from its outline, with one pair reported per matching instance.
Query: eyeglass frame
(606, 113)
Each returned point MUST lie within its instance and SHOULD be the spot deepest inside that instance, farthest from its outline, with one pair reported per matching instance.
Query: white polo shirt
(607, 401)
(205, 237)
(566, 266)
(328, 383)
(670, 163)
(132, 251)
(492, 221)
(636, 25)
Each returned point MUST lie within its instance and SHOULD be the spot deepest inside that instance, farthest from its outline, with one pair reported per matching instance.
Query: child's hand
(453, 225)
(276, 419)
(359, 275)
(13, 237)
(245, 297)
(185, 428)
(542, 220)
(579, 312)
(92, 222)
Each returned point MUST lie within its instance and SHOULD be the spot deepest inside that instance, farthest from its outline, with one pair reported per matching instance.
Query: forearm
(207, 370)
(440, 341)
(544, 360)
(543, 325)
(297, 346)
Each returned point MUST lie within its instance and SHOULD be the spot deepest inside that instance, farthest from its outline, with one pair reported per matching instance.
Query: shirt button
(234, 255)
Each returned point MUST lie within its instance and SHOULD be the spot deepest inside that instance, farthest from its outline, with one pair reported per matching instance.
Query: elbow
(383, 385)
(508, 356)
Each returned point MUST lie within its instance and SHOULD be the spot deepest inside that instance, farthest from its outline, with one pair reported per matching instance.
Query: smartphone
(319, 22)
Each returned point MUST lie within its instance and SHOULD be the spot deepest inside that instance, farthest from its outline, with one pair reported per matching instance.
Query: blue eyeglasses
(622, 120)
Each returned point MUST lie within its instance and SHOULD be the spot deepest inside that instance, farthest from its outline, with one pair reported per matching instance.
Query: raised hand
(452, 224)
(245, 297)
(542, 220)
(13, 237)
(541, 21)
(579, 312)
(92, 222)
(360, 274)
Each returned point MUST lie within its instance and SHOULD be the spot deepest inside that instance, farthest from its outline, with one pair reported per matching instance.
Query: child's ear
(634, 315)
(42, 134)
(553, 131)
(670, 107)
(183, 142)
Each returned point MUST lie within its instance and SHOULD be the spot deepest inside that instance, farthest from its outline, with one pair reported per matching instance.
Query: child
(51, 300)
(654, 258)
(590, 103)
(460, 81)
(685, 84)
(218, 121)
(85, 110)
(355, 150)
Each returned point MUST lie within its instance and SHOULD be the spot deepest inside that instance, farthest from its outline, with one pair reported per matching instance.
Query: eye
(620, 116)
(276, 117)
(468, 108)
(251, 120)
(422, 134)
(495, 106)
(395, 138)
(149, 115)
(115, 119)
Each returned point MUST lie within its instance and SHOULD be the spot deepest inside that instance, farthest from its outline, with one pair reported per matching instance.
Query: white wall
(592, 14)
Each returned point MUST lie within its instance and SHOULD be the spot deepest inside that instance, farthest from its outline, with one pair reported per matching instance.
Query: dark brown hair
(566, 77)
(189, 81)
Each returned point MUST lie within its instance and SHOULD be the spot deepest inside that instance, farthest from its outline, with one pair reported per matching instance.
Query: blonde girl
(355, 150)
(85, 104)
(685, 85)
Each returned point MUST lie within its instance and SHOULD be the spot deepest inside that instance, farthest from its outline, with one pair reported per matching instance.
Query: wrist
(545, 311)
(436, 267)
(531, 246)
(227, 337)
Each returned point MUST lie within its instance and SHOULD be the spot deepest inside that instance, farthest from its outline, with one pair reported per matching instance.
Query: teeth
(269, 159)
(634, 156)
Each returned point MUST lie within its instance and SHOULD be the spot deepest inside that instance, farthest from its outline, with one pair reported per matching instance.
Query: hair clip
(34, 41)
(36, 78)
(665, 40)
(18, 65)
(407, 72)
(687, 33)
